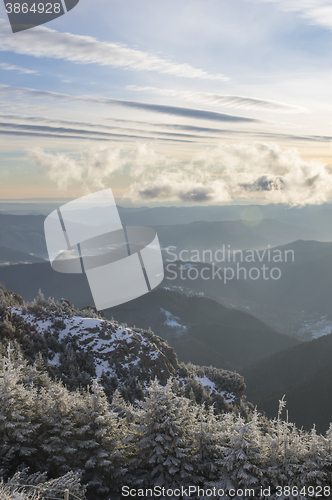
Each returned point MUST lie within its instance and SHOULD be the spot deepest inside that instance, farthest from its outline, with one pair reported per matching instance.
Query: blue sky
(170, 102)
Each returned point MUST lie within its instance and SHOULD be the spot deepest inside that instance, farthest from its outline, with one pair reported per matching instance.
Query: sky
(175, 102)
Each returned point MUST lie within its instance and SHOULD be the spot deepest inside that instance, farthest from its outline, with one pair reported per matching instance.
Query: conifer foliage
(54, 436)
(164, 441)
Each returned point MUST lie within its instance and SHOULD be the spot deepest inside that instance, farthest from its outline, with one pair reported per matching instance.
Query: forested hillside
(164, 440)
(70, 411)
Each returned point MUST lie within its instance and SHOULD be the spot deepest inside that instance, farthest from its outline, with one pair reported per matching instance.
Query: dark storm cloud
(196, 194)
(265, 183)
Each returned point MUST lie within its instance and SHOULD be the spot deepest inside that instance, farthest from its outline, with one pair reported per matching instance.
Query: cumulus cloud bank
(96, 165)
(228, 172)
(59, 168)
(44, 42)
(230, 101)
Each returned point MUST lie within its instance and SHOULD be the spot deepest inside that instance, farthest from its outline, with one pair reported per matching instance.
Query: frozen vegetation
(186, 425)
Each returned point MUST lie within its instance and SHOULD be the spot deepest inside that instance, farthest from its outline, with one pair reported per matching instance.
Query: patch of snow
(40, 324)
(99, 336)
(316, 327)
(172, 321)
(188, 266)
(56, 360)
(229, 396)
(206, 382)
(6, 263)
(154, 355)
(102, 366)
(187, 291)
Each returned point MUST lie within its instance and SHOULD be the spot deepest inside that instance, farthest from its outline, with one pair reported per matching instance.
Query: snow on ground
(316, 327)
(206, 382)
(229, 396)
(186, 291)
(188, 266)
(56, 360)
(100, 336)
(41, 324)
(102, 366)
(174, 288)
(6, 263)
(173, 321)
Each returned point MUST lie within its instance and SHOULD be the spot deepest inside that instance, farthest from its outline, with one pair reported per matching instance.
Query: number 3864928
(36, 8)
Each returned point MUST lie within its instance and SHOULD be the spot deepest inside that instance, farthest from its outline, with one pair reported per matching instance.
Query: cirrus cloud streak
(318, 12)
(230, 101)
(23, 92)
(45, 42)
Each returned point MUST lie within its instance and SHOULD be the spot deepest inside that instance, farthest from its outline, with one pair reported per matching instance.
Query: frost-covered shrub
(23, 486)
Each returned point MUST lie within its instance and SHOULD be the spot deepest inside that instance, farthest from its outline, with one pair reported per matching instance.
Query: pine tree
(240, 453)
(311, 472)
(38, 375)
(102, 442)
(18, 424)
(80, 432)
(207, 441)
(328, 455)
(57, 430)
(164, 442)
(293, 457)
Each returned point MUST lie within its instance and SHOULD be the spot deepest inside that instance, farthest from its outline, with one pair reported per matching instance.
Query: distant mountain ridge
(287, 304)
(238, 234)
(26, 232)
(239, 338)
(304, 374)
(203, 331)
(9, 256)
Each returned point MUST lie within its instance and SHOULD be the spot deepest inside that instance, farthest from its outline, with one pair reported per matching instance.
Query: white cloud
(230, 171)
(12, 67)
(318, 12)
(96, 164)
(184, 112)
(41, 126)
(44, 42)
(59, 168)
(231, 101)
(265, 171)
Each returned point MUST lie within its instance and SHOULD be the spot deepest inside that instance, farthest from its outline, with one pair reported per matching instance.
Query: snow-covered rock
(117, 350)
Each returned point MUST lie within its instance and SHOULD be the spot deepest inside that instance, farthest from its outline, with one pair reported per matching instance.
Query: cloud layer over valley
(228, 172)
